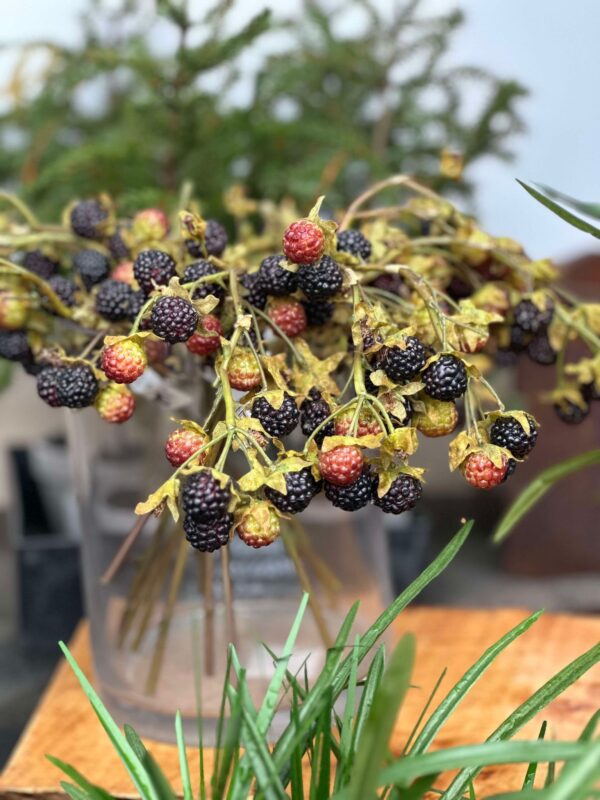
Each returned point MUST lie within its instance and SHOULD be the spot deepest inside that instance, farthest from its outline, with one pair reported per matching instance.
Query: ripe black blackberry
(47, 386)
(541, 351)
(88, 218)
(91, 266)
(76, 386)
(113, 300)
(403, 494)
(402, 365)
(510, 468)
(64, 288)
(14, 346)
(508, 432)
(301, 488)
(208, 537)
(173, 319)
(35, 261)
(202, 269)
(446, 378)
(321, 280)
(275, 279)
(255, 294)
(313, 411)
(318, 312)
(530, 318)
(203, 498)
(116, 245)
(153, 267)
(276, 421)
(215, 241)
(590, 392)
(570, 412)
(136, 302)
(354, 242)
(352, 496)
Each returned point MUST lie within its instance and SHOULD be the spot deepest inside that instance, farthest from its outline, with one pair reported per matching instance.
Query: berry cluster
(329, 349)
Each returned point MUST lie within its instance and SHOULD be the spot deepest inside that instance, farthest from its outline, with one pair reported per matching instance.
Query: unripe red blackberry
(275, 279)
(115, 403)
(203, 498)
(402, 364)
(242, 371)
(113, 300)
(402, 495)
(481, 472)
(47, 387)
(13, 310)
(203, 269)
(314, 411)
(441, 421)
(88, 218)
(303, 242)
(352, 496)
(367, 424)
(258, 525)
(173, 319)
(276, 421)
(342, 465)
(509, 433)
(153, 267)
(301, 488)
(124, 272)
(76, 386)
(151, 223)
(320, 280)
(91, 266)
(210, 536)
(289, 315)
(354, 242)
(446, 378)
(124, 361)
(40, 264)
(182, 443)
(208, 339)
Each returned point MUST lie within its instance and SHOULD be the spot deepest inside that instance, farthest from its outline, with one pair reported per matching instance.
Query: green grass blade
(368, 639)
(475, 757)
(466, 683)
(373, 744)
(419, 788)
(562, 212)
(91, 790)
(230, 746)
(221, 725)
(538, 488)
(131, 762)
(184, 767)
(532, 767)
(74, 792)
(590, 209)
(373, 679)
(577, 778)
(296, 775)
(346, 729)
(197, 667)
(163, 788)
(424, 711)
(590, 729)
(527, 710)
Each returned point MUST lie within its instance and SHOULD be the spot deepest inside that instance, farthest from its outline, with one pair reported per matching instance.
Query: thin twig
(123, 551)
(207, 564)
(228, 596)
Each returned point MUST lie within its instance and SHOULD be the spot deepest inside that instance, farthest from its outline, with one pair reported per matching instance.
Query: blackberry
(402, 495)
(153, 267)
(510, 468)
(136, 302)
(201, 269)
(208, 537)
(276, 421)
(91, 266)
(392, 283)
(255, 294)
(369, 385)
(540, 350)
(446, 378)
(315, 410)
(88, 218)
(203, 498)
(354, 242)
(589, 392)
(402, 365)
(518, 339)
(173, 319)
(113, 300)
(301, 488)
(352, 496)
(35, 261)
(509, 433)
(530, 318)
(275, 279)
(47, 386)
(64, 288)
(76, 386)
(14, 346)
(321, 280)
(215, 238)
(318, 312)
(117, 246)
(570, 412)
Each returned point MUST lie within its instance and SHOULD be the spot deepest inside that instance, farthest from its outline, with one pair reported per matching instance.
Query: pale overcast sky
(549, 45)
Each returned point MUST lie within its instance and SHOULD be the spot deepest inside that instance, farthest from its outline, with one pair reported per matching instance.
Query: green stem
(20, 206)
(279, 332)
(588, 336)
(492, 391)
(335, 414)
(41, 284)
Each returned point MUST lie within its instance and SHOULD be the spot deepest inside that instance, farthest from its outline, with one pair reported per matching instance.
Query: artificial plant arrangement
(336, 745)
(364, 335)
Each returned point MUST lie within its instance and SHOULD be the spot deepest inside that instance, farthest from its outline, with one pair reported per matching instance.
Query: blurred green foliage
(150, 97)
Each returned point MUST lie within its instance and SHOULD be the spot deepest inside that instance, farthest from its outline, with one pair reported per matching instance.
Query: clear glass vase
(160, 625)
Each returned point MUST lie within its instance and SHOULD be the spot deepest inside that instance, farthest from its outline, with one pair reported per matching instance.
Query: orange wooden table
(65, 726)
